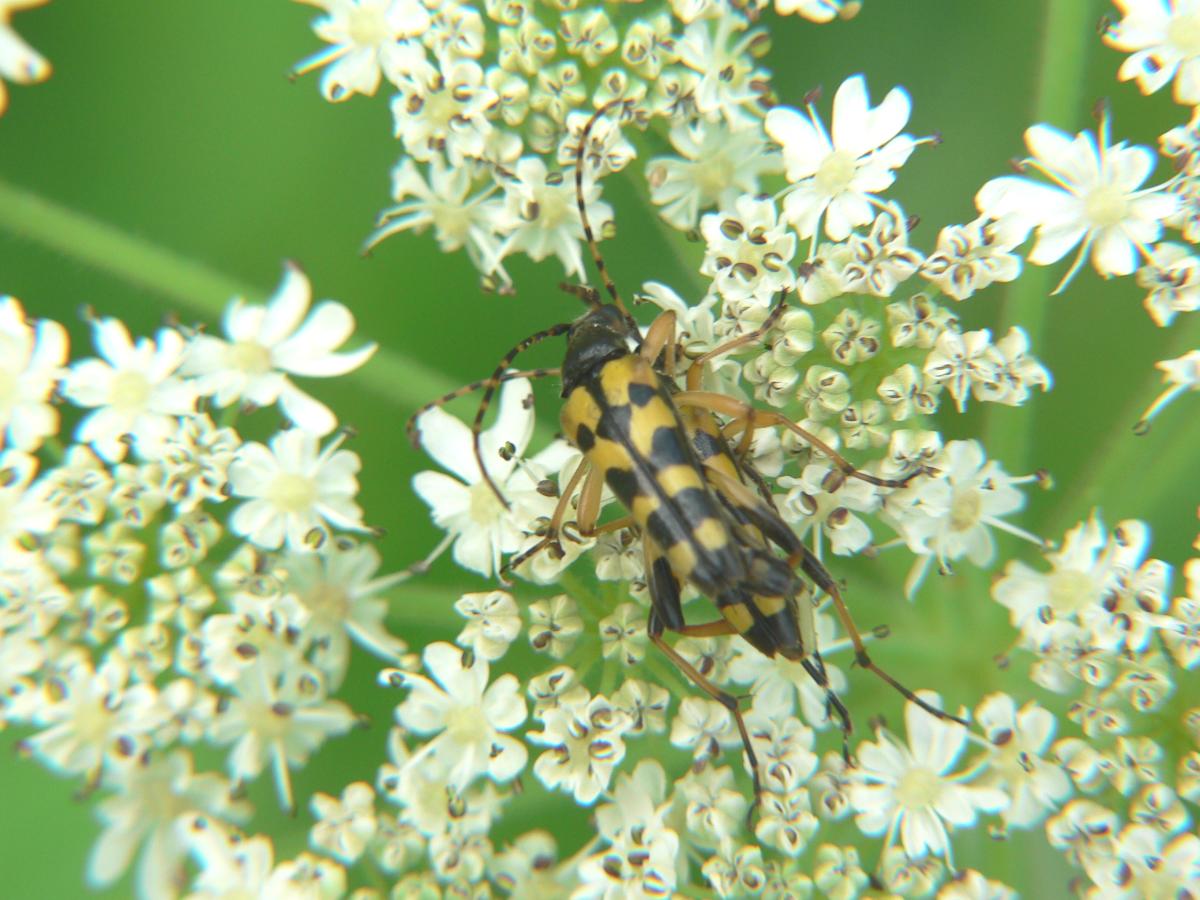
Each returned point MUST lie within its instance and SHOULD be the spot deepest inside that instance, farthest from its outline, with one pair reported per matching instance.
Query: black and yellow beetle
(703, 515)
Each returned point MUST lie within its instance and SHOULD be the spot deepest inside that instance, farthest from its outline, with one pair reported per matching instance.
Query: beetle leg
(815, 667)
(588, 510)
(654, 629)
(660, 339)
(556, 519)
(815, 569)
(719, 628)
(696, 369)
(746, 419)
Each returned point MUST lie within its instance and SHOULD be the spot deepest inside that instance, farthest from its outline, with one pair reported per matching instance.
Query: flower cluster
(173, 592)
(167, 585)
(486, 100)
(1104, 632)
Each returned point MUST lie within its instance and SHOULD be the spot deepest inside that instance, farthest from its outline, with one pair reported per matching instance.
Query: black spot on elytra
(707, 445)
(615, 423)
(664, 594)
(624, 483)
(695, 505)
(585, 440)
(640, 395)
(668, 448)
(667, 528)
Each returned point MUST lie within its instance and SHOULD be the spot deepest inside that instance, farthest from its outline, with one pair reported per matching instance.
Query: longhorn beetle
(665, 457)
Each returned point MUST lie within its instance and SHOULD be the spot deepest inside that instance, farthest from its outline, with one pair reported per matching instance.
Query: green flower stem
(91, 242)
(688, 270)
(1138, 473)
(587, 599)
(1068, 35)
(423, 606)
(203, 291)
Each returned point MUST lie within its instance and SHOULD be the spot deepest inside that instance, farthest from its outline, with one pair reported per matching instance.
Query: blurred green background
(175, 124)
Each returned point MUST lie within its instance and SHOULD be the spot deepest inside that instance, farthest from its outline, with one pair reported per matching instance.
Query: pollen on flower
(919, 787)
(291, 493)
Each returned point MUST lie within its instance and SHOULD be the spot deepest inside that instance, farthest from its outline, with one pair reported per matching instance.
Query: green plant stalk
(1068, 34)
(1137, 473)
(200, 289)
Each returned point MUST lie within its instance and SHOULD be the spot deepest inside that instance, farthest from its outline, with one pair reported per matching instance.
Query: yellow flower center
(451, 221)
(327, 602)
(836, 172)
(250, 357)
(1106, 205)
(554, 207)
(466, 725)
(1071, 591)
(92, 723)
(965, 509)
(129, 391)
(440, 108)
(1183, 33)
(367, 26)
(919, 788)
(8, 388)
(485, 505)
(292, 493)
(713, 175)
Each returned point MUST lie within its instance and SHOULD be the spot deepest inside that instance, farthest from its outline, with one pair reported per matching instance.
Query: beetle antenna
(609, 285)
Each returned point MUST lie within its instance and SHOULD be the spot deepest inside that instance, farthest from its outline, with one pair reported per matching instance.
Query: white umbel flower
(466, 716)
(493, 623)
(230, 863)
(92, 716)
(441, 197)
(1181, 374)
(908, 792)
(266, 343)
(1147, 864)
(716, 164)
(818, 10)
(541, 217)
(835, 175)
(277, 719)
(1100, 591)
(19, 63)
(445, 111)
(152, 797)
(295, 491)
(748, 251)
(341, 594)
(586, 741)
(1095, 201)
(1164, 36)
(970, 257)
(1017, 740)
(368, 39)
(641, 857)
(344, 825)
(26, 507)
(465, 505)
(135, 390)
(32, 356)
(950, 515)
